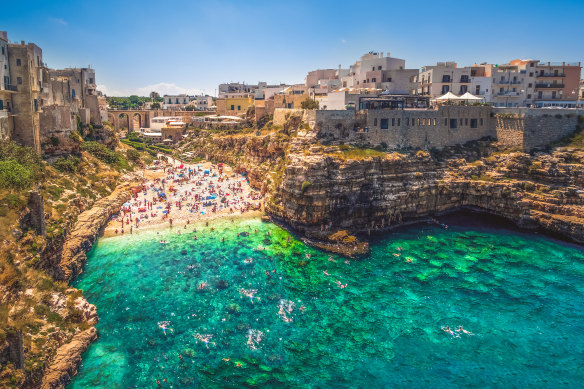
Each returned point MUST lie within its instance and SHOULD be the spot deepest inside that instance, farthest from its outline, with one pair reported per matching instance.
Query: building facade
(437, 80)
(38, 105)
(376, 71)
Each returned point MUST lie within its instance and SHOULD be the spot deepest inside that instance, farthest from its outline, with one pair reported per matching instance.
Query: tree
(309, 104)
(155, 105)
(154, 95)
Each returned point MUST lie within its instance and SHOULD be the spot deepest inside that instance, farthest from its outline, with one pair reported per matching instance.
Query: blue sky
(192, 46)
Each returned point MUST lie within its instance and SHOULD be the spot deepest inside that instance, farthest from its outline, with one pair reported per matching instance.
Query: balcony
(10, 88)
(465, 80)
(3, 113)
(508, 94)
(508, 82)
(549, 86)
(550, 75)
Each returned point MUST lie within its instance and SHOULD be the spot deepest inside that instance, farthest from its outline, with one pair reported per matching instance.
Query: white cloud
(163, 88)
(60, 21)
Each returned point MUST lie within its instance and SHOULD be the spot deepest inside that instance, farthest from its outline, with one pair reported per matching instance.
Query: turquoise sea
(520, 295)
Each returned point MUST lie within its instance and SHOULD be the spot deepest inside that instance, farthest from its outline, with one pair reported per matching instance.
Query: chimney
(22, 43)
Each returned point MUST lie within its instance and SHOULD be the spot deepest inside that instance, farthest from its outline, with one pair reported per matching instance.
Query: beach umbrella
(165, 211)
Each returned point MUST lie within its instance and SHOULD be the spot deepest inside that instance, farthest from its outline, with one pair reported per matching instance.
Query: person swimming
(325, 273)
(460, 329)
(449, 331)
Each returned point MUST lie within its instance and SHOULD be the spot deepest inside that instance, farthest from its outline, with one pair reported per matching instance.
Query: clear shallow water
(522, 297)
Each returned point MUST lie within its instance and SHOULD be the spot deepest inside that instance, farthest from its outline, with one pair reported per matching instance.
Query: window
(239, 107)
(466, 122)
(474, 123)
(445, 89)
(373, 79)
(91, 80)
(393, 122)
(3, 50)
(36, 105)
(389, 79)
(453, 123)
(384, 124)
(445, 122)
(19, 80)
(18, 62)
(407, 121)
(530, 74)
(375, 122)
(435, 121)
(379, 68)
(398, 122)
(531, 65)
(529, 85)
(529, 96)
(233, 107)
(445, 78)
(73, 93)
(1, 105)
(481, 122)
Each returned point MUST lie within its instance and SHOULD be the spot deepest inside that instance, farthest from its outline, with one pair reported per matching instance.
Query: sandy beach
(177, 194)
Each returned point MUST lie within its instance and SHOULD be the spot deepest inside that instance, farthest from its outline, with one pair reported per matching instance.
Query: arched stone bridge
(133, 120)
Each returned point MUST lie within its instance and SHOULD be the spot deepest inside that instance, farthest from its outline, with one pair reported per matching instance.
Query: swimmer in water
(330, 258)
(341, 285)
(205, 339)
(307, 256)
(460, 329)
(325, 273)
(202, 285)
(448, 330)
(248, 260)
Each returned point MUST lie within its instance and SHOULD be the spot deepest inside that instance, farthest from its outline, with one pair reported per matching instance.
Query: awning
(448, 96)
(469, 96)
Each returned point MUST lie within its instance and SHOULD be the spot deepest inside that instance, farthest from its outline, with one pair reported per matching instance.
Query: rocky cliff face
(64, 367)
(325, 191)
(65, 260)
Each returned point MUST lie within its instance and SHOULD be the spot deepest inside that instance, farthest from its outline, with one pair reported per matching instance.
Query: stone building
(376, 71)
(38, 105)
(437, 80)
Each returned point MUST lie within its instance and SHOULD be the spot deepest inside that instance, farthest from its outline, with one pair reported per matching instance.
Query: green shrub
(100, 151)
(15, 176)
(67, 164)
(133, 155)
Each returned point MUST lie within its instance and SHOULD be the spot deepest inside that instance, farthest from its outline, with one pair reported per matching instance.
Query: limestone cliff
(327, 191)
(67, 262)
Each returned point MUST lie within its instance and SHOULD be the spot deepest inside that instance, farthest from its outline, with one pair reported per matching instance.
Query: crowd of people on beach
(183, 193)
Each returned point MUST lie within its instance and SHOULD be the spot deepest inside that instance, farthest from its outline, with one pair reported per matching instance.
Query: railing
(550, 75)
(10, 87)
(508, 94)
(446, 79)
(550, 86)
(506, 82)
(465, 80)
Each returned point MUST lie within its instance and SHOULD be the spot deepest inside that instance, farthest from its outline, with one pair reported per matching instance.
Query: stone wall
(56, 126)
(281, 115)
(530, 129)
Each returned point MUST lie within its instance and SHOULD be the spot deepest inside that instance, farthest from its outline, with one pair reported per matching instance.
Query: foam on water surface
(255, 311)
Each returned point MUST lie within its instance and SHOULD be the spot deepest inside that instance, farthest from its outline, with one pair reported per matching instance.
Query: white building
(202, 102)
(374, 71)
(158, 122)
(176, 102)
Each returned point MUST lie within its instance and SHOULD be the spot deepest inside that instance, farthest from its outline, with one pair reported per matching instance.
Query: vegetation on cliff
(37, 313)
